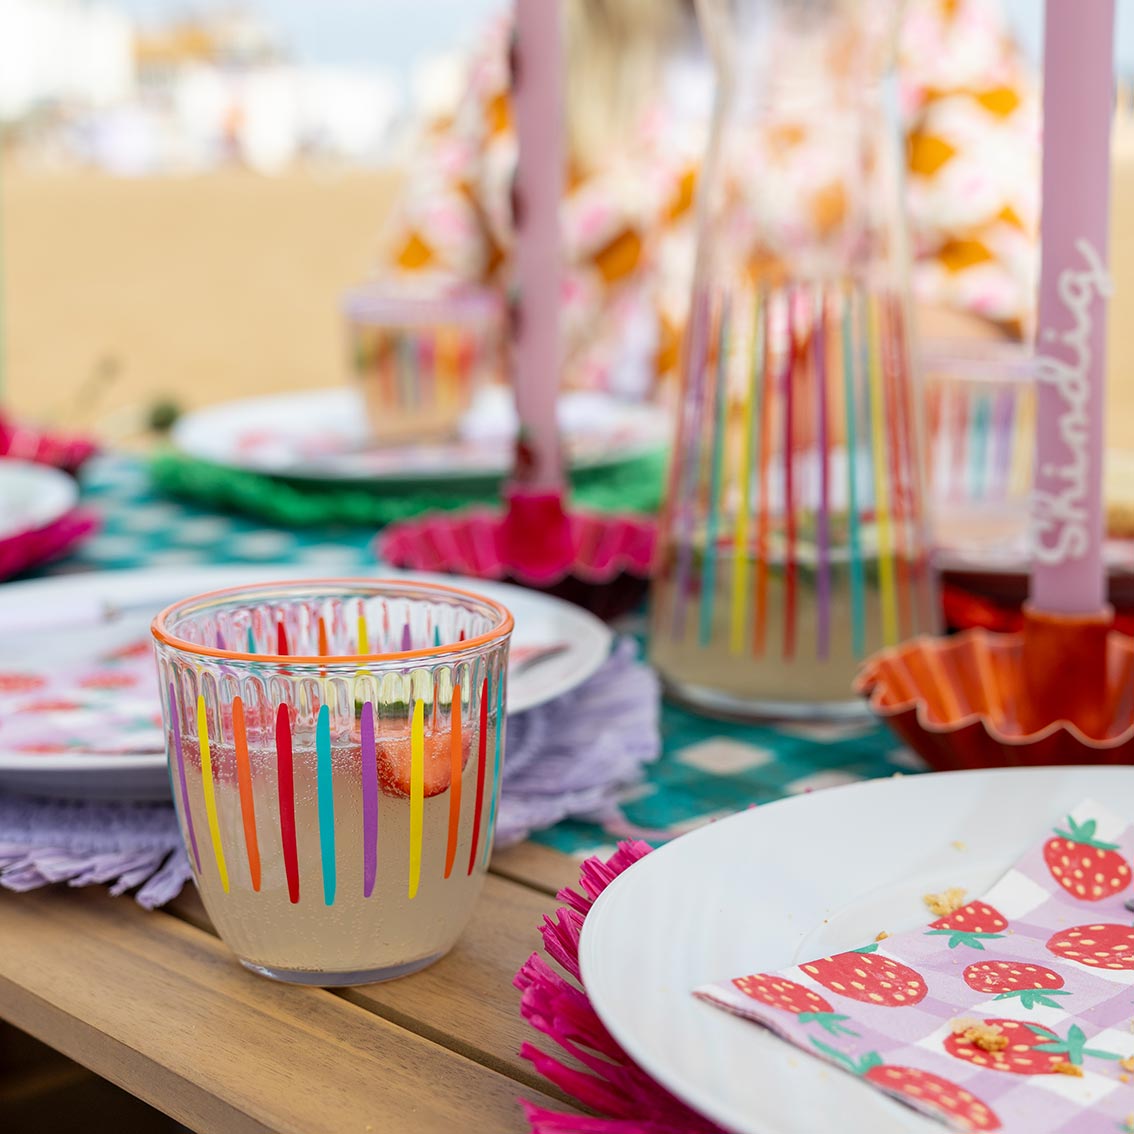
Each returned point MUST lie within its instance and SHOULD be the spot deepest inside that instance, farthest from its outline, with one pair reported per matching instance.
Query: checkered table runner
(708, 769)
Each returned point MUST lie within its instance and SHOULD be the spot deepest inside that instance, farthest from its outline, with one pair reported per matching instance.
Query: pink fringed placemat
(62, 451)
(624, 1098)
(598, 561)
(29, 549)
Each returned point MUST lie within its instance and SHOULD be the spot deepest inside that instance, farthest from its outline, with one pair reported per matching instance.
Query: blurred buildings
(81, 86)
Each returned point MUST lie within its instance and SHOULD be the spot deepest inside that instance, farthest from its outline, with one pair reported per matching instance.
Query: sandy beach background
(119, 291)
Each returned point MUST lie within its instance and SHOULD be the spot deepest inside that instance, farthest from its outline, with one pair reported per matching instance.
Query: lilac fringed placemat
(569, 758)
(123, 845)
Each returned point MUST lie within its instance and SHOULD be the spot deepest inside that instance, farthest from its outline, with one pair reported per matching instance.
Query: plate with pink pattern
(79, 708)
(322, 435)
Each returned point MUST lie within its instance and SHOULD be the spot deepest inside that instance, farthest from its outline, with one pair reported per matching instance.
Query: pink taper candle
(538, 105)
(1068, 575)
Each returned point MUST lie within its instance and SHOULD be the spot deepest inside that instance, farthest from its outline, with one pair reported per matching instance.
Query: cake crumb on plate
(988, 1037)
(942, 905)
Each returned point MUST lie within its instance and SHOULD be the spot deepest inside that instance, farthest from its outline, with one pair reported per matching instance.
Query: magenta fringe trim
(624, 1099)
(63, 451)
(32, 548)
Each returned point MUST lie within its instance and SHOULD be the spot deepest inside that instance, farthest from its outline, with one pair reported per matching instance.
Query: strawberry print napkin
(1012, 1012)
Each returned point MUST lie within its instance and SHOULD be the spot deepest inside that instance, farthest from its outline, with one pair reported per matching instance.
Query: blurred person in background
(637, 102)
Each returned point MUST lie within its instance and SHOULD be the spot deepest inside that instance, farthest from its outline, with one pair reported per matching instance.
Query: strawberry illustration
(20, 682)
(394, 757)
(107, 680)
(869, 977)
(1099, 946)
(52, 706)
(42, 748)
(952, 1101)
(807, 1006)
(1032, 1049)
(1086, 867)
(141, 649)
(971, 925)
(1033, 984)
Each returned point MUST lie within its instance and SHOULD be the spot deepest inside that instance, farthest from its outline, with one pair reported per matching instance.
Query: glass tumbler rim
(373, 587)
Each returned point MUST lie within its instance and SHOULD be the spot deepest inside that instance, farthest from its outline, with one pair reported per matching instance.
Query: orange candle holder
(1060, 691)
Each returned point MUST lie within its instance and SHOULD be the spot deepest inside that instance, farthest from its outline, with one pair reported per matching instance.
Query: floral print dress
(971, 113)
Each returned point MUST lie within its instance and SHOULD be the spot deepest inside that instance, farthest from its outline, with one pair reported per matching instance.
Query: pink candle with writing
(538, 103)
(1068, 575)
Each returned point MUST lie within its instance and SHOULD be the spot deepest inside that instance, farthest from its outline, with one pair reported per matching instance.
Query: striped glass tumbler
(335, 752)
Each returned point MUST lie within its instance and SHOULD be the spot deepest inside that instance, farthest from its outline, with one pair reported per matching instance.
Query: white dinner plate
(323, 435)
(78, 621)
(1011, 556)
(802, 878)
(32, 496)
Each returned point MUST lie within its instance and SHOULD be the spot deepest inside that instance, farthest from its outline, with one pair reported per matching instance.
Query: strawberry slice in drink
(395, 760)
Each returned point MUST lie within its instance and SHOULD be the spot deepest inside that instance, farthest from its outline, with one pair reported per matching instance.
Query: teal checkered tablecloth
(708, 768)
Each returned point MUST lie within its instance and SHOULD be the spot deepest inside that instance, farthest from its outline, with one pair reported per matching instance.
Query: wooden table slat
(537, 866)
(156, 1005)
(466, 1001)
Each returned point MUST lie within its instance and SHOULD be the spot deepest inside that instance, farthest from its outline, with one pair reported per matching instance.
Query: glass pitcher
(793, 541)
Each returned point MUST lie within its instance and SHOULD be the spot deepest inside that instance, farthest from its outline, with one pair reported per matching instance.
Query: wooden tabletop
(156, 1003)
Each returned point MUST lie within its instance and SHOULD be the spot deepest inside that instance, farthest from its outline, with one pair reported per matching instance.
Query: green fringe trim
(634, 485)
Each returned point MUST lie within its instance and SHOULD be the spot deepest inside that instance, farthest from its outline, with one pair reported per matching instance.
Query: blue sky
(396, 33)
(368, 33)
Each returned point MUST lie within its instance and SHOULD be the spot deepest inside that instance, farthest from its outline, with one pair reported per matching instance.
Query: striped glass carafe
(793, 542)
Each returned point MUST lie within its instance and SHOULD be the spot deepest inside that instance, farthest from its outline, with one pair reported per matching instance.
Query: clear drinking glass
(793, 542)
(421, 349)
(335, 751)
(980, 402)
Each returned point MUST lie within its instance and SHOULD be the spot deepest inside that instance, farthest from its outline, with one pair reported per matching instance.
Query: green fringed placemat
(634, 485)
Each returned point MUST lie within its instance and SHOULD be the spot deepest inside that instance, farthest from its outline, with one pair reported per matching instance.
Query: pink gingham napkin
(1015, 1012)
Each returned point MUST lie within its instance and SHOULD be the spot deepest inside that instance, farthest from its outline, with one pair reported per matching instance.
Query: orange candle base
(1063, 671)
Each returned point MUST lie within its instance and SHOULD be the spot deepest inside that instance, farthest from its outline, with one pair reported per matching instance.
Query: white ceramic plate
(779, 884)
(76, 620)
(1012, 557)
(32, 496)
(322, 435)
